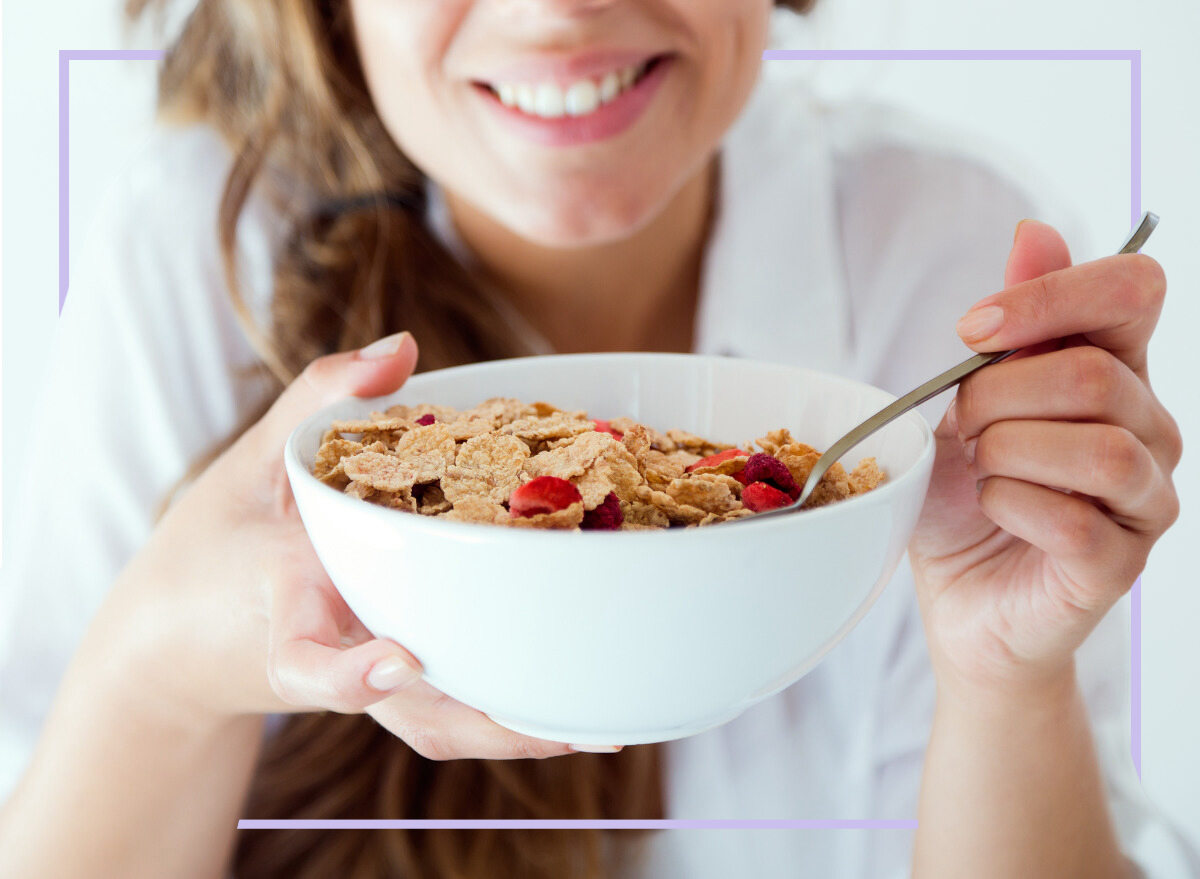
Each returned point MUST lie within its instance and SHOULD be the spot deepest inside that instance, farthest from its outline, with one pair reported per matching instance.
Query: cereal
(568, 518)
(678, 513)
(372, 425)
(428, 450)
(800, 459)
(865, 476)
(558, 425)
(639, 516)
(834, 486)
(380, 471)
(711, 497)
(533, 465)
(488, 465)
(696, 445)
(477, 509)
(464, 430)
(431, 500)
(412, 413)
(775, 440)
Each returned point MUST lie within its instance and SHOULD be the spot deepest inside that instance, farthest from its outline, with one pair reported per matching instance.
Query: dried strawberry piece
(545, 494)
(769, 469)
(427, 419)
(715, 460)
(760, 497)
(606, 517)
(604, 427)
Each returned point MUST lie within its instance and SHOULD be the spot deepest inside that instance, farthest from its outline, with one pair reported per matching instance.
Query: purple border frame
(1133, 56)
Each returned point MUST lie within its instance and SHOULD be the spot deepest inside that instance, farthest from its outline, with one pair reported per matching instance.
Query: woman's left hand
(1052, 479)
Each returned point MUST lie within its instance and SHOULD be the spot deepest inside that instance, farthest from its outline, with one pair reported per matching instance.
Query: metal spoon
(930, 389)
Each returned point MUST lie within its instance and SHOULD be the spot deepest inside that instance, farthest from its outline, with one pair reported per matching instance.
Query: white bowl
(625, 637)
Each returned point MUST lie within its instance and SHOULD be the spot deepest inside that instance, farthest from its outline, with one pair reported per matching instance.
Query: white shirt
(846, 240)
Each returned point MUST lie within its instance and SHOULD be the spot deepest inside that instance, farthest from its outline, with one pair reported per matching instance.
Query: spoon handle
(930, 389)
(927, 391)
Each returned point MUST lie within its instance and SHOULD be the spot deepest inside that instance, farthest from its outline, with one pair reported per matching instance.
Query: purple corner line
(1133, 56)
(568, 824)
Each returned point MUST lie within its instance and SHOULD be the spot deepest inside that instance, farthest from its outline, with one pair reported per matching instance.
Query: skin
(558, 229)
(193, 646)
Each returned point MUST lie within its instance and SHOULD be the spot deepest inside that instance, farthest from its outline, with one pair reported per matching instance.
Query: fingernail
(980, 323)
(952, 417)
(969, 450)
(1017, 231)
(979, 486)
(385, 347)
(387, 674)
(596, 749)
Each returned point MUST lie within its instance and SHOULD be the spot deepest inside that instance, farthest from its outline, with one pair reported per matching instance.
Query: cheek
(732, 37)
(401, 47)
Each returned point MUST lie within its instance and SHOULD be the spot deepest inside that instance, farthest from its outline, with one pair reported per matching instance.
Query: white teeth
(610, 87)
(582, 98)
(526, 100)
(551, 101)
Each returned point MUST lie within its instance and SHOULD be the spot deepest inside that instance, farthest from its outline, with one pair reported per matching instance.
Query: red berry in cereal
(606, 517)
(604, 427)
(427, 419)
(545, 494)
(716, 460)
(769, 469)
(760, 497)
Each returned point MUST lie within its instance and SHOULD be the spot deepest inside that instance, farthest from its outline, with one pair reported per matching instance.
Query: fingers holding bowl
(441, 728)
(310, 675)
(320, 656)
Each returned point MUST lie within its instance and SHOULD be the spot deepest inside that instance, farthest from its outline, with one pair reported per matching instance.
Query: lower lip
(608, 121)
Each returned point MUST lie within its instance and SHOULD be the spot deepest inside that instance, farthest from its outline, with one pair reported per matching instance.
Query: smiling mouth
(581, 97)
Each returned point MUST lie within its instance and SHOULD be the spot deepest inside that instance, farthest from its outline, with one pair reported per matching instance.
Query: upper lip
(566, 69)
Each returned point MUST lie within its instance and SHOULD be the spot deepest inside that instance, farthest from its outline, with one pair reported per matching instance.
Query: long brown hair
(281, 83)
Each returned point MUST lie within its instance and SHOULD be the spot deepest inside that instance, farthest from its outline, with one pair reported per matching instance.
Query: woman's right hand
(226, 610)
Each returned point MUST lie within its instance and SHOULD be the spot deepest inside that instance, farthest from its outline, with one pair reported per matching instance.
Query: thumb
(1037, 250)
(379, 368)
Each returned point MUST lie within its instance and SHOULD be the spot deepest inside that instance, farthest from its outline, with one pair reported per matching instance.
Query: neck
(637, 294)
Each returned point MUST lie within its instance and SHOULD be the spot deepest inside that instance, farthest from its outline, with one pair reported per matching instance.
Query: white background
(1063, 127)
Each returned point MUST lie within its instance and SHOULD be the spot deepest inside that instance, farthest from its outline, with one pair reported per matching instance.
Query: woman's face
(570, 122)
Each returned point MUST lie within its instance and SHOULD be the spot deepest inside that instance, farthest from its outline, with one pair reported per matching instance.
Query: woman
(503, 178)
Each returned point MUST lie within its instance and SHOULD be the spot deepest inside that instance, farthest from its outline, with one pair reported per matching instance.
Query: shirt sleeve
(144, 377)
(926, 234)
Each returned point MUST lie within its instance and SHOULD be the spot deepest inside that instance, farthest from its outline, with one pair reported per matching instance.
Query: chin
(582, 222)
